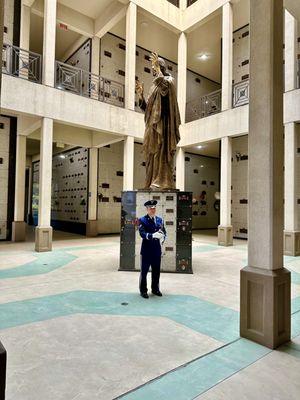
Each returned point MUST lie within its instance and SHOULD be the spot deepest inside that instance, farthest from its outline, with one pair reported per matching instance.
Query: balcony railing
(84, 83)
(21, 63)
(204, 106)
(240, 94)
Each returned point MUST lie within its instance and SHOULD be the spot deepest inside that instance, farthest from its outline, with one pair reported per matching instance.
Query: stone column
(95, 67)
(49, 42)
(225, 232)
(1, 33)
(24, 37)
(291, 52)
(43, 232)
(91, 226)
(128, 163)
(265, 285)
(131, 18)
(291, 228)
(19, 225)
(183, 4)
(227, 55)
(29, 200)
(180, 169)
(291, 178)
(182, 69)
(25, 27)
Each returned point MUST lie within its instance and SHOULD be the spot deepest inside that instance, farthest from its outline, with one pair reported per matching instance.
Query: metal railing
(205, 106)
(84, 83)
(240, 94)
(21, 63)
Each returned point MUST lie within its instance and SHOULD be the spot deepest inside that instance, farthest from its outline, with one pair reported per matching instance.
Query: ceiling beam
(67, 134)
(109, 18)
(101, 139)
(27, 125)
(28, 3)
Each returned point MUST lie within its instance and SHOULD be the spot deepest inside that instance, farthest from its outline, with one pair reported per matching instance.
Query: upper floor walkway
(82, 99)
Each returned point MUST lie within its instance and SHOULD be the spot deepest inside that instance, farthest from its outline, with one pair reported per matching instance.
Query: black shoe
(157, 293)
(145, 295)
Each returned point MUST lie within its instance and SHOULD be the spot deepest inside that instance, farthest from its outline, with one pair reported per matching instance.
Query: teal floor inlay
(45, 262)
(198, 376)
(218, 322)
(295, 278)
(204, 248)
(295, 305)
(295, 324)
(193, 379)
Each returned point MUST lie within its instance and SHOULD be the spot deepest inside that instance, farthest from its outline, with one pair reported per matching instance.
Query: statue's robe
(162, 120)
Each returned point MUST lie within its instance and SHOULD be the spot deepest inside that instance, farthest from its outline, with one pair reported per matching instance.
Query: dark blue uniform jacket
(150, 247)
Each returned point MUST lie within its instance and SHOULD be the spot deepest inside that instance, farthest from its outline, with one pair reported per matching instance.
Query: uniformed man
(152, 230)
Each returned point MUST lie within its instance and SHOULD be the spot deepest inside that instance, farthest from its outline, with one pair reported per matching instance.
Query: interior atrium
(76, 319)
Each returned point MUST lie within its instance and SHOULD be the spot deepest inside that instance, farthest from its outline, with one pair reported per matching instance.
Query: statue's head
(163, 67)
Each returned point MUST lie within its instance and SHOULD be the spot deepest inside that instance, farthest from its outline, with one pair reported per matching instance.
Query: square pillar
(49, 42)
(91, 226)
(130, 62)
(265, 285)
(180, 169)
(95, 68)
(19, 225)
(43, 232)
(291, 51)
(1, 32)
(25, 27)
(225, 231)
(227, 55)
(182, 75)
(291, 177)
(182, 4)
(128, 163)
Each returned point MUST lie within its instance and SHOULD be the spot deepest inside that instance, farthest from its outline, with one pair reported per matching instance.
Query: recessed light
(201, 166)
(199, 147)
(202, 56)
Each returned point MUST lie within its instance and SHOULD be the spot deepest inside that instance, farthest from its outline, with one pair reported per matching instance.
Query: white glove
(157, 235)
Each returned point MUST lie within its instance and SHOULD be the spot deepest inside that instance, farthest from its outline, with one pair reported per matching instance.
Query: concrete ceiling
(210, 149)
(151, 36)
(32, 147)
(90, 8)
(64, 39)
(204, 39)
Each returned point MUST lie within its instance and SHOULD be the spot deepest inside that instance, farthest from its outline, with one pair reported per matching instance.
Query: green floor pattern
(195, 378)
(46, 262)
(218, 322)
(184, 383)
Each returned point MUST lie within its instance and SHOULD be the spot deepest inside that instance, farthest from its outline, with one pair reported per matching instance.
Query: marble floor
(75, 327)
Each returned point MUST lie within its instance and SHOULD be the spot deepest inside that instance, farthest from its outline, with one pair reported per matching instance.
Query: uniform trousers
(148, 261)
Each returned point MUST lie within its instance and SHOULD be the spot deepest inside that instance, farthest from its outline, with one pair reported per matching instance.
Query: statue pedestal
(176, 210)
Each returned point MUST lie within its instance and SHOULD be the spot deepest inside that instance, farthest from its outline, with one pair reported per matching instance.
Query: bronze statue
(162, 120)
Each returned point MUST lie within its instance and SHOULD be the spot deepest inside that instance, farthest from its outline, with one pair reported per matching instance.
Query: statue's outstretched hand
(155, 63)
(139, 88)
